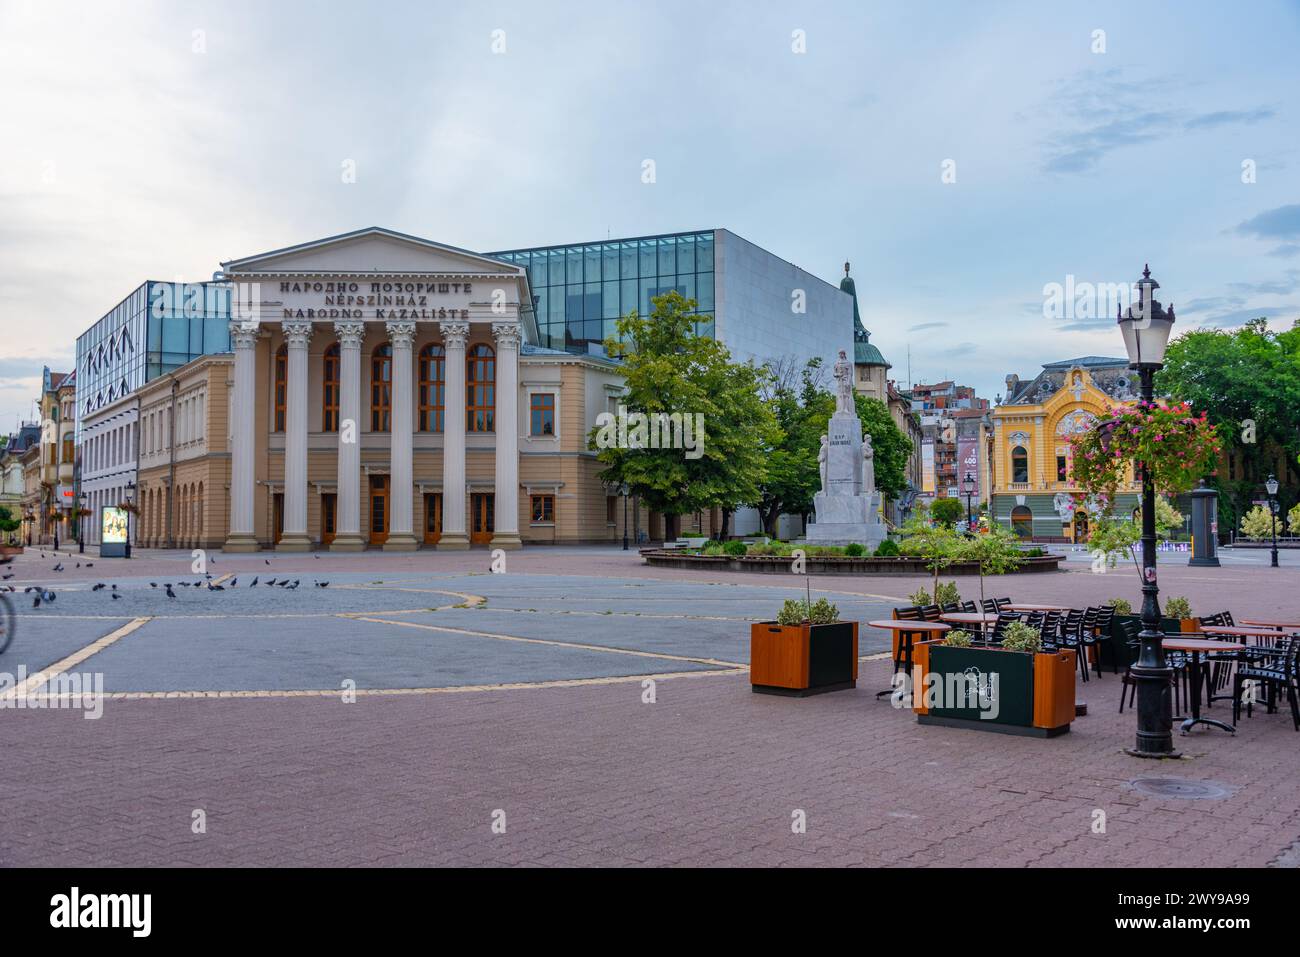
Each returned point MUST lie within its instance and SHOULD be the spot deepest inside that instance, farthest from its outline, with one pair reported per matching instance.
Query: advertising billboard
(112, 532)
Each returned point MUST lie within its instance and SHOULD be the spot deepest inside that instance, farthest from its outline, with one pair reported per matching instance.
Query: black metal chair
(1001, 603)
(930, 612)
(1004, 618)
(1127, 682)
(989, 606)
(970, 606)
(1101, 632)
(1280, 673)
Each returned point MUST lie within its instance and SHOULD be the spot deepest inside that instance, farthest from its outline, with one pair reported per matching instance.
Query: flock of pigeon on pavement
(45, 595)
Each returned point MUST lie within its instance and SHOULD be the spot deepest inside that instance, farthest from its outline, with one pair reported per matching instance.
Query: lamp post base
(1136, 753)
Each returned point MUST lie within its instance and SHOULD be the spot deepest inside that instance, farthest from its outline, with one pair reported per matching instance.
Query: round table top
(1201, 644)
(1270, 624)
(1238, 632)
(970, 617)
(1038, 607)
(902, 624)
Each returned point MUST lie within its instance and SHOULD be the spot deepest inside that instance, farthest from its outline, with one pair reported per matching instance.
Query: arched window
(330, 390)
(381, 388)
(1022, 521)
(1019, 464)
(480, 385)
(433, 381)
(281, 385)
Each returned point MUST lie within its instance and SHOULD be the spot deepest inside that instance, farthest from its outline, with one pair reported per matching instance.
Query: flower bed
(826, 564)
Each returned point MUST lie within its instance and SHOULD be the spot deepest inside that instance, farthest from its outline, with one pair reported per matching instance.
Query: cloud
(1285, 251)
(926, 325)
(1111, 112)
(1280, 223)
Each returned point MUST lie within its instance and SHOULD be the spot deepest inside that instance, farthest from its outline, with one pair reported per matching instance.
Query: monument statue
(847, 507)
(868, 466)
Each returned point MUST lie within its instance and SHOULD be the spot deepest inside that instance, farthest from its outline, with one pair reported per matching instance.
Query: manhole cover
(1180, 788)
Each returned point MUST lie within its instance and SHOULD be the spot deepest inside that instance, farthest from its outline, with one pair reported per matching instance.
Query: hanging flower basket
(1179, 447)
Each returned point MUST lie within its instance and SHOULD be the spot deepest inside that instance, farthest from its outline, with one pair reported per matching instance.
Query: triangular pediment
(371, 250)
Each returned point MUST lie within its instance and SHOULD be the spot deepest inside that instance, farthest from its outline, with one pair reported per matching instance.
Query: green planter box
(1117, 653)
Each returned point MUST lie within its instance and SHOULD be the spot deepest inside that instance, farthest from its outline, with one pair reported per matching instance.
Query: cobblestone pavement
(523, 694)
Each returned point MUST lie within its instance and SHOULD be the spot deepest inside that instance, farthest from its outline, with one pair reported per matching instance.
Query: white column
(241, 538)
(401, 436)
(297, 336)
(347, 521)
(506, 530)
(454, 336)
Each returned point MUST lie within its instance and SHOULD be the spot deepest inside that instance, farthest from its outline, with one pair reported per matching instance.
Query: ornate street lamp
(81, 523)
(1146, 327)
(1271, 485)
(130, 502)
(624, 490)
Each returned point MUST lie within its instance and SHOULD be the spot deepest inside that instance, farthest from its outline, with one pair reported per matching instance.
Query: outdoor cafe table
(981, 618)
(1038, 607)
(1196, 647)
(1238, 631)
(1265, 622)
(906, 629)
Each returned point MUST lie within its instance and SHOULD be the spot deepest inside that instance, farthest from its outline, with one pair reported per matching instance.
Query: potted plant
(1180, 610)
(1019, 688)
(8, 525)
(806, 651)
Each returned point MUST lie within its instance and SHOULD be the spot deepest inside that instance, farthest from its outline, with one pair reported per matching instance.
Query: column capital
(506, 334)
(297, 332)
(454, 334)
(401, 333)
(350, 332)
(244, 334)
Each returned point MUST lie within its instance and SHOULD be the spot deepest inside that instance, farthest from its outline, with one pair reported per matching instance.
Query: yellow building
(1034, 493)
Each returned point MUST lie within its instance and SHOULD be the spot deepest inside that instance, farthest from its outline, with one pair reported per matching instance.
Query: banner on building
(927, 467)
(968, 463)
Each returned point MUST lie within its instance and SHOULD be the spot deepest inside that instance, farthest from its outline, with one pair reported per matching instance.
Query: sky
(962, 156)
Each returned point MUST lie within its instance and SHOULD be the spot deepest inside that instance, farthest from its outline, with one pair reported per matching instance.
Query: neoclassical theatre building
(383, 390)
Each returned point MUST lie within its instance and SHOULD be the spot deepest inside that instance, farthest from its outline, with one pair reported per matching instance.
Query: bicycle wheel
(8, 622)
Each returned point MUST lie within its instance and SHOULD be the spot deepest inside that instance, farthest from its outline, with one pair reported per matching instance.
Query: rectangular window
(542, 414)
(611, 509)
(543, 509)
(1061, 469)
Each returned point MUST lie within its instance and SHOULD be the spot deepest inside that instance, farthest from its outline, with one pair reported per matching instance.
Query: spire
(848, 285)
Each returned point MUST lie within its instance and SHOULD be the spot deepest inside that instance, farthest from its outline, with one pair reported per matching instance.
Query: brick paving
(709, 774)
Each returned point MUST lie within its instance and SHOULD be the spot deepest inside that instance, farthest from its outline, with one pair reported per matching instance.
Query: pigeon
(153, 584)
(170, 593)
(253, 583)
(283, 583)
(9, 576)
(322, 584)
(30, 588)
(294, 585)
(234, 582)
(78, 564)
(267, 560)
(36, 602)
(98, 586)
(208, 575)
(116, 596)
(185, 584)
(90, 564)
(114, 587)
(58, 567)
(317, 557)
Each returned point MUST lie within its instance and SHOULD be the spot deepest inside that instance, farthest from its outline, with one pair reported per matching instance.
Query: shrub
(920, 597)
(1020, 637)
(947, 511)
(796, 612)
(1178, 608)
(886, 548)
(854, 550)
(1257, 523)
(735, 549)
(947, 592)
(1121, 606)
(957, 639)
(712, 547)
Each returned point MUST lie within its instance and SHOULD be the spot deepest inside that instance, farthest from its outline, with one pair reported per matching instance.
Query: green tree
(949, 511)
(1248, 382)
(890, 446)
(669, 370)
(7, 522)
(1168, 518)
(1113, 538)
(1257, 523)
(996, 552)
(1293, 519)
(937, 545)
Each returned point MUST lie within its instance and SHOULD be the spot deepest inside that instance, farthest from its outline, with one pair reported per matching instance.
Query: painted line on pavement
(99, 644)
(552, 643)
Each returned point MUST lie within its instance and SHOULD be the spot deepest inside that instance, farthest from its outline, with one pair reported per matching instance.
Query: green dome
(865, 354)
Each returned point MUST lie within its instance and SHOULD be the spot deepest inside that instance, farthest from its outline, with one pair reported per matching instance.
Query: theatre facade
(381, 391)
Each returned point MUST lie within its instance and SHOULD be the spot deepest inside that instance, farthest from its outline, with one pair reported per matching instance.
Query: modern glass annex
(582, 289)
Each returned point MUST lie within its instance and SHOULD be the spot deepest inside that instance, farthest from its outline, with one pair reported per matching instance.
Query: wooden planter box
(1033, 694)
(9, 551)
(800, 660)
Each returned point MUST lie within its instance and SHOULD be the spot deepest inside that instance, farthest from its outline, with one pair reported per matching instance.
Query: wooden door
(277, 517)
(378, 509)
(432, 518)
(482, 518)
(328, 515)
